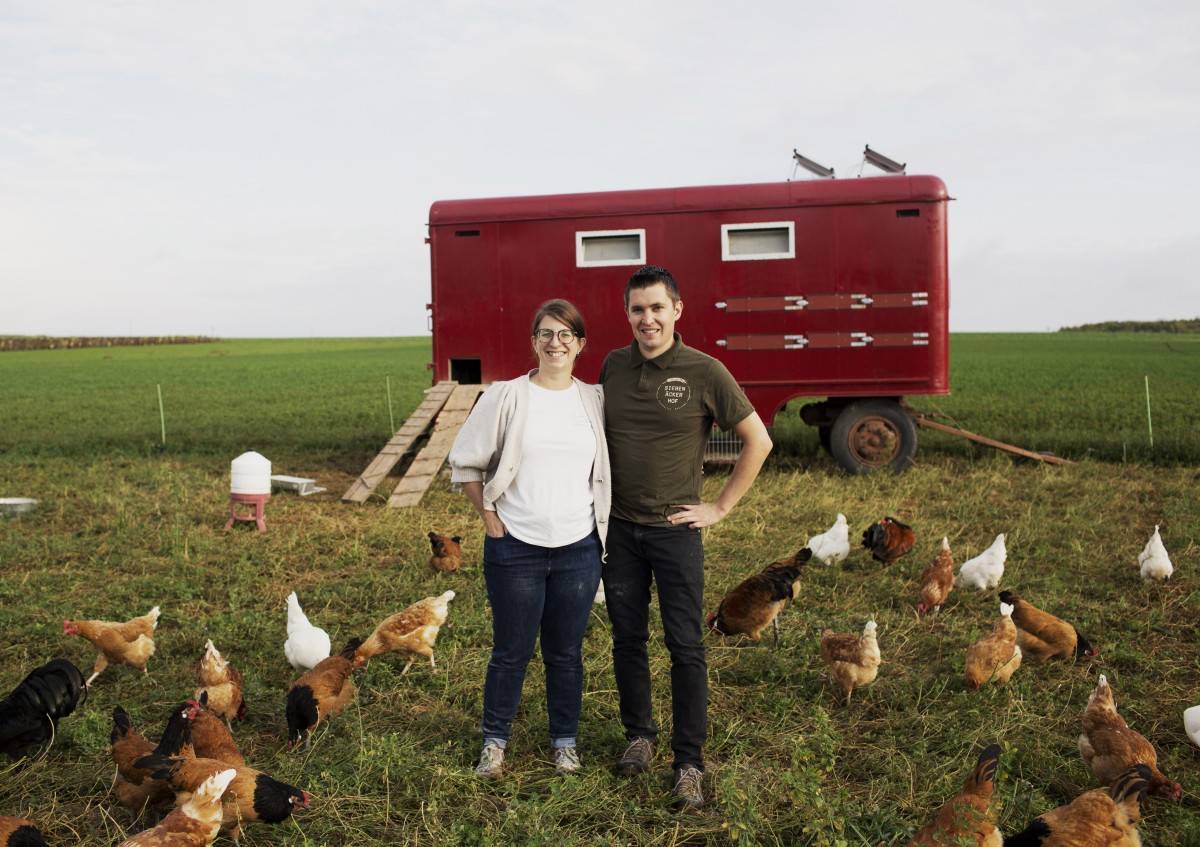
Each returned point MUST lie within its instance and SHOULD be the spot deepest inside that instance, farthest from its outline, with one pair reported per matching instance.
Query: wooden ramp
(416, 481)
(400, 443)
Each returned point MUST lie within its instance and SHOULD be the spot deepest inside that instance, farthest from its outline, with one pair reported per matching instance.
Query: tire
(870, 435)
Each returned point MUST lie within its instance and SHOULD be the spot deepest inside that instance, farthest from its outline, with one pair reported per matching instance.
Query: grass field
(124, 525)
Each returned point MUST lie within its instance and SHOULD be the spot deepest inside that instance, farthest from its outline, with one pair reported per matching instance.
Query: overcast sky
(265, 167)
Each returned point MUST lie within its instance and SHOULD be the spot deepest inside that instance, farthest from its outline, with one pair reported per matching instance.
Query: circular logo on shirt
(674, 393)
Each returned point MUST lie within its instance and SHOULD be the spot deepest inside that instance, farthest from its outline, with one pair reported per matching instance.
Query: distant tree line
(1185, 325)
(47, 342)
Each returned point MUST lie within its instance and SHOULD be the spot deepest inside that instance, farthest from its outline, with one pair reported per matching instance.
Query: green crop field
(125, 523)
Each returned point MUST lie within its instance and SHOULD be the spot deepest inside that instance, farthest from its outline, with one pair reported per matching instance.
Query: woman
(532, 460)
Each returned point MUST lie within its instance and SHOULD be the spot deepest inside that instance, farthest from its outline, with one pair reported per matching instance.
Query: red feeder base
(259, 501)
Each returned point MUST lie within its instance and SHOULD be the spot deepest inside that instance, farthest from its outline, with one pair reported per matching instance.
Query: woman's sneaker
(491, 762)
(566, 760)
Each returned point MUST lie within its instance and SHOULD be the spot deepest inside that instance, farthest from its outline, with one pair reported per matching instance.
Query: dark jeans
(532, 588)
(673, 557)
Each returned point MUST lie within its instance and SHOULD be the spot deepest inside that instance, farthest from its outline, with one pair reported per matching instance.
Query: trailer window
(748, 242)
(610, 247)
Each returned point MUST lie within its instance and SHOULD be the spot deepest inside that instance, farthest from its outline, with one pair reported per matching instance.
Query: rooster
(447, 553)
(888, 540)
(1102, 816)
(129, 643)
(325, 690)
(1110, 747)
(412, 632)
(983, 573)
(853, 660)
(996, 656)
(29, 715)
(306, 644)
(221, 683)
(757, 600)
(832, 546)
(194, 823)
(251, 795)
(937, 581)
(1153, 561)
(133, 786)
(15, 832)
(1044, 636)
(969, 817)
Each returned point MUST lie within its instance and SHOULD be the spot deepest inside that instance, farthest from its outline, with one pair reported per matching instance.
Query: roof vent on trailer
(883, 162)
(870, 157)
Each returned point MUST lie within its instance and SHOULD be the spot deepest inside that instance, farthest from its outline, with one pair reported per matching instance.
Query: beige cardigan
(488, 447)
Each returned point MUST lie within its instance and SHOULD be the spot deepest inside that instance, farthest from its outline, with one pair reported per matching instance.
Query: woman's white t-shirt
(549, 503)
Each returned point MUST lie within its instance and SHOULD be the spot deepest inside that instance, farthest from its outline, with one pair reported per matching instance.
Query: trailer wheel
(870, 435)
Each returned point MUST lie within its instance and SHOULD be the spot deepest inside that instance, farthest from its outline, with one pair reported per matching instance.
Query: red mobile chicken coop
(831, 289)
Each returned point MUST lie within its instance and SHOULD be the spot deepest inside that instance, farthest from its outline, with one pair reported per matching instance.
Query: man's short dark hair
(649, 276)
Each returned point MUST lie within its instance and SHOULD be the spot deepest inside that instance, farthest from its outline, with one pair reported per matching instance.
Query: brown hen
(888, 540)
(1110, 747)
(968, 819)
(757, 600)
(447, 553)
(1044, 636)
(129, 643)
(1102, 816)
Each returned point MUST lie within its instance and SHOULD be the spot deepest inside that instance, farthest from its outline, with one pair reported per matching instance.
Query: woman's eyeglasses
(566, 336)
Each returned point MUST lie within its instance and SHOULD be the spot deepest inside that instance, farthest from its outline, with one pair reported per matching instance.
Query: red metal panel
(848, 240)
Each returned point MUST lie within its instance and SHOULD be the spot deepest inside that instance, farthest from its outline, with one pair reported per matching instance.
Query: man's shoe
(491, 762)
(687, 793)
(566, 760)
(637, 758)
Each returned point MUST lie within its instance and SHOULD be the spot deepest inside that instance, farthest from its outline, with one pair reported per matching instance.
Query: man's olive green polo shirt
(658, 415)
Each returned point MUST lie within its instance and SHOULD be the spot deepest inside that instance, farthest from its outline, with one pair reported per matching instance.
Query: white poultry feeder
(249, 485)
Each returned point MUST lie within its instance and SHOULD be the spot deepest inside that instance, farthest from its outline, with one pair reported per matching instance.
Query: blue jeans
(673, 558)
(532, 589)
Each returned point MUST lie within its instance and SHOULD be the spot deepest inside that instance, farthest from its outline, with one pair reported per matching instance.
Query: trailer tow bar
(921, 420)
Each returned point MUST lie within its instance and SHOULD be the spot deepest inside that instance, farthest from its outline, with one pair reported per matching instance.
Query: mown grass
(123, 526)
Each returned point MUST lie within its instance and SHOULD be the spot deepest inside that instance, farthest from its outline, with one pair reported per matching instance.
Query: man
(661, 399)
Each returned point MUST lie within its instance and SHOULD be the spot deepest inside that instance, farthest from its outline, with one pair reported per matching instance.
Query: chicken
(888, 540)
(306, 644)
(1191, 724)
(412, 632)
(211, 738)
(15, 832)
(996, 656)
(133, 786)
(222, 683)
(853, 659)
(757, 600)
(129, 643)
(937, 581)
(1110, 747)
(325, 690)
(983, 573)
(251, 795)
(447, 553)
(195, 822)
(29, 715)
(832, 546)
(1153, 561)
(968, 819)
(1043, 636)
(1102, 817)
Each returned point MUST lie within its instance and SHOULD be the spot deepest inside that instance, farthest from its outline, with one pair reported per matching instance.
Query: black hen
(15, 832)
(29, 715)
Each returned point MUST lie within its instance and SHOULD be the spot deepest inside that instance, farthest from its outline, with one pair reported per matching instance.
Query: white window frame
(726, 256)
(582, 236)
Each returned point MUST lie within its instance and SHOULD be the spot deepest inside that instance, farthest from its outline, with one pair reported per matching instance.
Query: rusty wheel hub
(874, 441)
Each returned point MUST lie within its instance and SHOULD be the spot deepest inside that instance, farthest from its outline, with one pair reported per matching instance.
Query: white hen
(306, 644)
(1191, 724)
(833, 545)
(984, 571)
(1154, 561)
